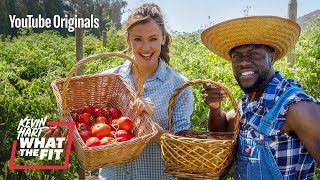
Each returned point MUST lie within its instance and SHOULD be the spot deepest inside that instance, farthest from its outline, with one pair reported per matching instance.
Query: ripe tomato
(84, 118)
(82, 126)
(50, 128)
(125, 123)
(88, 109)
(115, 113)
(93, 141)
(102, 120)
(132, 135)
(122, 135)
(100, 130)
(85, 134)
(100, 112)
(106, 140)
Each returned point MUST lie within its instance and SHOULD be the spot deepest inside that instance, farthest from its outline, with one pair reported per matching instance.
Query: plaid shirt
(159, 88)
(291, 155)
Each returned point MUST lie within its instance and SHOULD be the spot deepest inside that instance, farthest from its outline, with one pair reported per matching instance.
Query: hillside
(303, 21)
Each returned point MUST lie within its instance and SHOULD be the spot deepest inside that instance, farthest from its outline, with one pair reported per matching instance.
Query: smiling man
(279, 136)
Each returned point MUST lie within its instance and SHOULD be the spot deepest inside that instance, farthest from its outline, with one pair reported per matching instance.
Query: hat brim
(280, 33)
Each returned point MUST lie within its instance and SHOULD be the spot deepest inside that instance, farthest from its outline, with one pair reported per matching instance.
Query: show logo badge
(32, 143)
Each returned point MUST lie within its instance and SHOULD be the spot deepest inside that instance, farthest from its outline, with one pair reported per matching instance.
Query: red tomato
(50, 128)
(102, 120)
(132, 135)
(106, 140)
(122, 135)
(82, 126)
(85, 134)
(93, 141)
(125, 123)
(84, 118)
(115, 113)
(89, 109)
(100, 130)
(100, 112)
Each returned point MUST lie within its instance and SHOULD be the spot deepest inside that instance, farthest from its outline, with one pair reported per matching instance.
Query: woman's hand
(146, 105)
(213, 96)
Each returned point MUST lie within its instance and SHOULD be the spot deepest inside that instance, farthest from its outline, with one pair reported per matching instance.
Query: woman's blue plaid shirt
(159, 88)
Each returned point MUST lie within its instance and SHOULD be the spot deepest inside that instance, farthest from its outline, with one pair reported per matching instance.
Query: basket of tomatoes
(109, 131)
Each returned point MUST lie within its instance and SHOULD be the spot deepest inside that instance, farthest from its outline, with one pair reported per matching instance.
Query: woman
(148, 40)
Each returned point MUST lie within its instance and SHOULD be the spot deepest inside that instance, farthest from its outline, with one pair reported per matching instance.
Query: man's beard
(256, 86)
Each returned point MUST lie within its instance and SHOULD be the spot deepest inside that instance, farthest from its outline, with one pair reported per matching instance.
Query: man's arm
(303, 119)
(220, 122)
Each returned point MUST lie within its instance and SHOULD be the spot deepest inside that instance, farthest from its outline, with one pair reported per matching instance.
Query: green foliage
(193, 60)
(28, 65)
(30, 62)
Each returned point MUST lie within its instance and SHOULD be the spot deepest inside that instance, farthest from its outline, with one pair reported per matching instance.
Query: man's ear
(273, 57)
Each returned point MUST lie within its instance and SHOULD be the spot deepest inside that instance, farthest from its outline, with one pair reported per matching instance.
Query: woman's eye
(154, 39)
(137, 39)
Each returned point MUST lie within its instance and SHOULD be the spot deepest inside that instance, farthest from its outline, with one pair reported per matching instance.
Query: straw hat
(279, 33)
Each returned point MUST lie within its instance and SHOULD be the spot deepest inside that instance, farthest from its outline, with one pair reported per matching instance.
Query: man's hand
(213, 96)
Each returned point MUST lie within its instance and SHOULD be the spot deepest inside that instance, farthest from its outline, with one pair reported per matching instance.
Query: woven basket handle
(198, 81)
(94, 57)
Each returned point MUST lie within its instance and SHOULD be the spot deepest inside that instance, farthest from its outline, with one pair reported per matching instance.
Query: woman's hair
(146, 13)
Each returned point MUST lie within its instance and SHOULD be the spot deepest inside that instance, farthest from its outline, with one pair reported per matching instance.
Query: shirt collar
(268, 96)
(160, 72)
(270, 93)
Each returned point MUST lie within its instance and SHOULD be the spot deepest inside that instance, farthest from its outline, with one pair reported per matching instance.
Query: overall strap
(270, 118)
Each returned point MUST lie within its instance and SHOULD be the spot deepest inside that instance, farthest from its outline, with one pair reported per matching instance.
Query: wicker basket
(103, 90)
(197, 154)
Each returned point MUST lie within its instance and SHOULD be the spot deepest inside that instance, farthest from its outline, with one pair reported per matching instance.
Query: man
(279, 135)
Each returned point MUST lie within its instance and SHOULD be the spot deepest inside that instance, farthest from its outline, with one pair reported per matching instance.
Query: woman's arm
(182, 110)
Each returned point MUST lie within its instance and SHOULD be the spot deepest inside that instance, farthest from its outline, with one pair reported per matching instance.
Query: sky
(192, 15)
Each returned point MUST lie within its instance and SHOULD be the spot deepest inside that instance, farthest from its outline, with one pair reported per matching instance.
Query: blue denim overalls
(254, 158)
